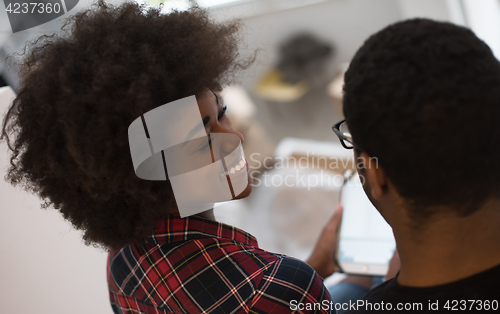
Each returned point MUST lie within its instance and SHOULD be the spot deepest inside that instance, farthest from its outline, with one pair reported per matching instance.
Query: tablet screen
(365, 237)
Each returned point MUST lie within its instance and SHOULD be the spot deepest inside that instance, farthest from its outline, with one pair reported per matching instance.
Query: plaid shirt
(196, 265)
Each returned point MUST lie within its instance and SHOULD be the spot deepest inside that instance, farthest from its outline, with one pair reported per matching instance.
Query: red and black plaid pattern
(196, 265)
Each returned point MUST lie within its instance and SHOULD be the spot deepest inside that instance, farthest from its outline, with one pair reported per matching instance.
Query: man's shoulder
(380, 293)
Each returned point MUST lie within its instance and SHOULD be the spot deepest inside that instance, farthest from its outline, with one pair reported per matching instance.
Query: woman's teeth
(239, 166)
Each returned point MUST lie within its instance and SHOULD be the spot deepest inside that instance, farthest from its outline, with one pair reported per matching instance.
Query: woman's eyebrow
(207, 118)
(216, 98)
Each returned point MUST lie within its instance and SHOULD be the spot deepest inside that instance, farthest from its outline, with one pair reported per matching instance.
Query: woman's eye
(223, 112)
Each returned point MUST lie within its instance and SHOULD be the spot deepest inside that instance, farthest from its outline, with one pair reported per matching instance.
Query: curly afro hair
(424, 98)
(79, 92)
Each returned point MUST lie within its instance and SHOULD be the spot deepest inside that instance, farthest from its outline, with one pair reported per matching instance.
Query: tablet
(365, 242)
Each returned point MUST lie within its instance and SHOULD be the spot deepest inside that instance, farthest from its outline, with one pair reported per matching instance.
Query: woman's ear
(374, 175)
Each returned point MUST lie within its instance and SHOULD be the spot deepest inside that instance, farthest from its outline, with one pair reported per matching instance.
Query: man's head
(423, 97)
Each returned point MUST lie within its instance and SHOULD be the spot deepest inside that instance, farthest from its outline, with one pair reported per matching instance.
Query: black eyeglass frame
(342, 137)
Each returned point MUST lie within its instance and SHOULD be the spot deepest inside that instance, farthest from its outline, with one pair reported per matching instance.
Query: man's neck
(448, 248)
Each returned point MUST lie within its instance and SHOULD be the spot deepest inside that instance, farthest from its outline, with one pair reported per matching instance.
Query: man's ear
(374, 174)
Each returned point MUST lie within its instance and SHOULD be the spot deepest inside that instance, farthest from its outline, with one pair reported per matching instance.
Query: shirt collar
(177, 229)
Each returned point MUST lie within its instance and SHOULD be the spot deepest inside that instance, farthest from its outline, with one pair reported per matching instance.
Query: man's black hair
(424, 98)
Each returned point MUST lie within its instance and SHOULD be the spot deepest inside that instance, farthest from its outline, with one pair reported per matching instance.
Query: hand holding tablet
(365, 243)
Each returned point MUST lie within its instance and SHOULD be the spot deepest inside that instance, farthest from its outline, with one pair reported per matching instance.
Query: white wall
(484, 19)
(44, 266)
(434, 9)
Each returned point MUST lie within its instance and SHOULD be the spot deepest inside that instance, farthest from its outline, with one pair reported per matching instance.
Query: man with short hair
(423, 97)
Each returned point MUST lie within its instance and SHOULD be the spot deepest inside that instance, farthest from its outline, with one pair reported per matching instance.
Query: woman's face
(216, 121)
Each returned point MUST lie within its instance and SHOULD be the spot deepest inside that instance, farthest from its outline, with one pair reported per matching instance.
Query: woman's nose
(230, 130)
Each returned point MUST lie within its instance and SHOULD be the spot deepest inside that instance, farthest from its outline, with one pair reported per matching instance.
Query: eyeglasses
(345, 137)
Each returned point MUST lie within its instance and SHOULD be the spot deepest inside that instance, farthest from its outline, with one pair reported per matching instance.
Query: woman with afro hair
(67, 129)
